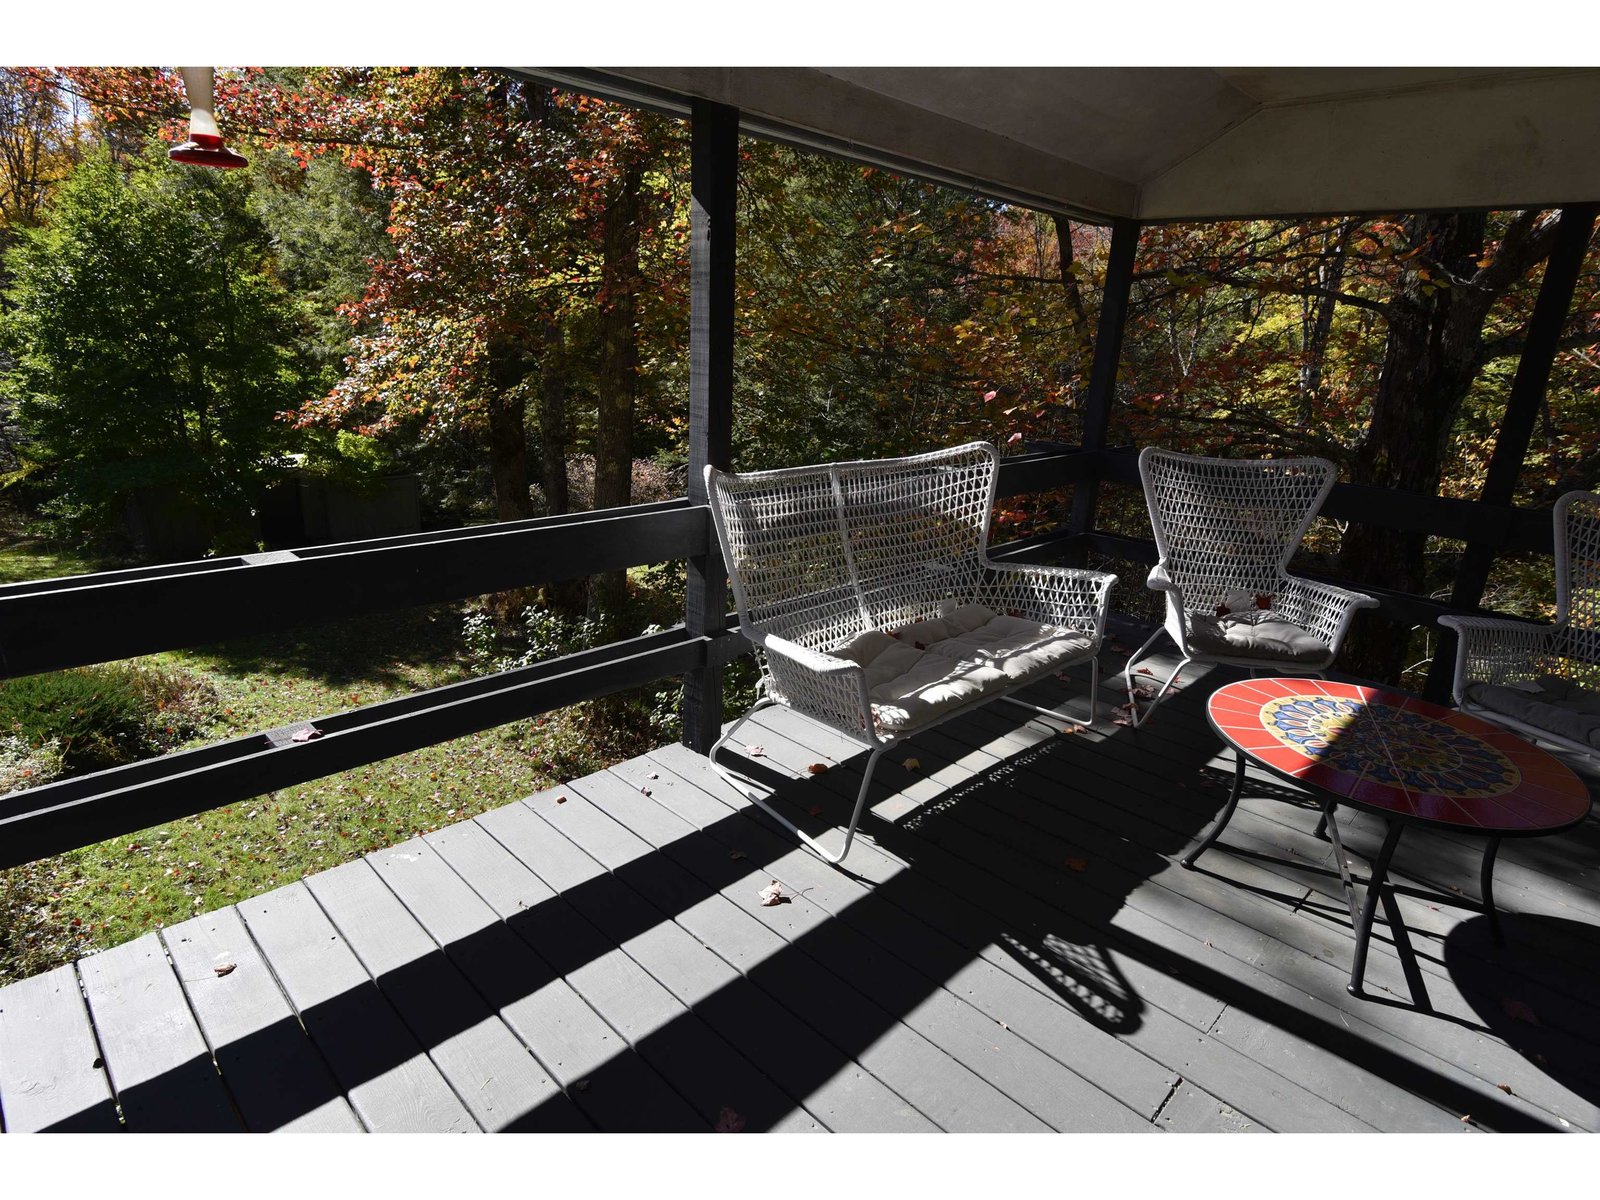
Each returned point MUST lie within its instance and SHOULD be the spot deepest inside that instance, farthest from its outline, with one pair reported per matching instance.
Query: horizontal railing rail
(85, 619)
(112, 615)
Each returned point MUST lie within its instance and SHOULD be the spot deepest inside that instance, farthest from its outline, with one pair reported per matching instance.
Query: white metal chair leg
(756, 798)
(1127, 670)
(1094, 694)
(1138, 717)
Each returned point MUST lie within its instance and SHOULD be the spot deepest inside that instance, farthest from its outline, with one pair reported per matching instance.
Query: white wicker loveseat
(1543, 681)
(867, 588)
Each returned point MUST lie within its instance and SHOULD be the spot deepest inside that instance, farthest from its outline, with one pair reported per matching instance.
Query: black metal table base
(1379, 889)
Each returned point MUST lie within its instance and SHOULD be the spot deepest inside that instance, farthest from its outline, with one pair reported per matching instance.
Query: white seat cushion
(917, 674)
(1270, 639)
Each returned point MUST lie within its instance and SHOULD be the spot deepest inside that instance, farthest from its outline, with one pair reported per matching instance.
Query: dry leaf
(817, 768)
(1120, 720)
(1145, 671)
(1077, 864)
(306, 734)
(581, 1086)
(1465, 1117)
(771, 894)
(644, 789)
(1506, 1088)
(729, 1121)
(561, 799)
(1209, 945)
(736, 855)
(653, 775)
(1140, 692)
(1519, 1011)
(911, 764)
(224, 968)
(756, 751)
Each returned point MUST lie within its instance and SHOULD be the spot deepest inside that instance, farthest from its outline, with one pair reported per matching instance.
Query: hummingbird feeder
(204, 147)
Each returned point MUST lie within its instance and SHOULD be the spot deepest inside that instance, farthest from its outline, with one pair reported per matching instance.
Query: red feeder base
(207, 150)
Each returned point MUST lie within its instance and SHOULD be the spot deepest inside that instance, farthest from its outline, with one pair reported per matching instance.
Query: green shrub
(98, 717)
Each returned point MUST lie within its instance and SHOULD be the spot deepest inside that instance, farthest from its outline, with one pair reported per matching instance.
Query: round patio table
(1406, 761)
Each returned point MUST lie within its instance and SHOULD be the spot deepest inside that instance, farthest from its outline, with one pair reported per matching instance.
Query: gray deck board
(159, 1064)
(842, 1096)
(845, 1010)
(499, 1081)
(275, 1073)
(1013, 946)
(620, 1090)
(388, 1078)
(51, 1076)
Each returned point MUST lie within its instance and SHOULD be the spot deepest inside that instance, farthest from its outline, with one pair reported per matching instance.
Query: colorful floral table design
(1402, 758)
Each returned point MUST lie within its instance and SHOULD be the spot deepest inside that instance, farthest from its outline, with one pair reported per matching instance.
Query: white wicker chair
(1226, 528)
(820, 557)
(1505, 653)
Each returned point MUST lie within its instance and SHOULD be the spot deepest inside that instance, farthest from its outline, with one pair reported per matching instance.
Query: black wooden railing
(119, 614)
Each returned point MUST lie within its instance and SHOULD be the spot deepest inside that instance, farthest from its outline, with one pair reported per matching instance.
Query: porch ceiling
(1176, 143)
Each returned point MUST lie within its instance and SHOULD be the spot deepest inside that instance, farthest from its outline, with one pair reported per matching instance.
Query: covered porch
(1014, 946)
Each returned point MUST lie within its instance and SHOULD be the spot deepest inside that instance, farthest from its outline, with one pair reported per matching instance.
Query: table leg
(1376, 888)
(1321, 831)
(1227, 813)
(1486, 890)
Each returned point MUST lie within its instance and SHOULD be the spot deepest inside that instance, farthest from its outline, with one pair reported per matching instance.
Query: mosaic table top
(1399, 754)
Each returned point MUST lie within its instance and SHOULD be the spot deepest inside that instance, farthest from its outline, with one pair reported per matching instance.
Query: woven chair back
(1225, 525)
(822, 553)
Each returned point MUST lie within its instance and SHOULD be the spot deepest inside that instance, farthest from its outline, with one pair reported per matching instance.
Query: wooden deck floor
(1014, 948)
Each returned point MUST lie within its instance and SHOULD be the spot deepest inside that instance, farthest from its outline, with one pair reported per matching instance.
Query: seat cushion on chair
(919, 673)
(1564, 708)
(1274, 640)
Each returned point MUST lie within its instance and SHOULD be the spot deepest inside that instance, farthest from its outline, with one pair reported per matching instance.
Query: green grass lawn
(60, 908)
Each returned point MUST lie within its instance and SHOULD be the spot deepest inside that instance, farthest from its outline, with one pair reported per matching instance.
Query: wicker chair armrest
(832, 690)
(1074, 597)
(1496, 650)
(1321, 608)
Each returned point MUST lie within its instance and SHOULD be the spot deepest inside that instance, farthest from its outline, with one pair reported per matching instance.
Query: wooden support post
(714, 175)
(1103, 373)
(1516, 427)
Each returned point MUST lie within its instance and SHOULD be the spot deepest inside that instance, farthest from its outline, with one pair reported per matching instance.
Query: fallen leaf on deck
(1003, 1025)
(1145, 671)
(224, 968)
(1120, 720)
(1465, 1117)
(644, 789)
(756, 751)
(306, 734)
(1209, 946)
(1506, 1088)
(653, 775)
(772, 894)
(561, 799)
(1073, 729)
(911, 764)
(581, 1086)
(1118, 648)
(817, 768)
(1519, 1011)
(1077, 864)
(1143, 693)
(729, 1121)
(736, 855)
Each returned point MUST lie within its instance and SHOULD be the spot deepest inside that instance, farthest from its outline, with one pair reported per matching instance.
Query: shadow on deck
(1013, 947)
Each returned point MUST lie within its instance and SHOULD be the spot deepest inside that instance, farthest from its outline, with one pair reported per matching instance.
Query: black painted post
(714, 130)
(1516, 427)
(1103, 374)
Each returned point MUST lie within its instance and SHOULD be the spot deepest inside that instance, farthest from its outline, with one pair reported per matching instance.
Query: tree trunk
(1317, 325)
(1080, 331)
(1433, 353)
(509, 364)
(565, 596)
(619, 369)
